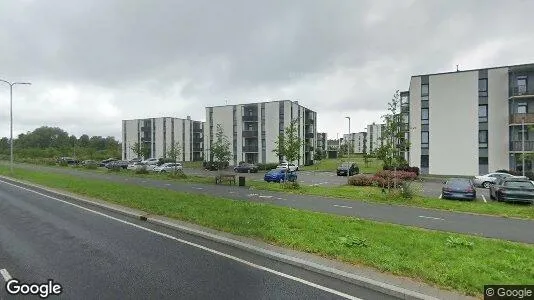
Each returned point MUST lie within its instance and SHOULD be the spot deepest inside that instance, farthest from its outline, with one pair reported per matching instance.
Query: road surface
(100, 255)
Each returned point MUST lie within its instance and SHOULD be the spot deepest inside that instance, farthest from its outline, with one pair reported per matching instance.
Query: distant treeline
(54, 142)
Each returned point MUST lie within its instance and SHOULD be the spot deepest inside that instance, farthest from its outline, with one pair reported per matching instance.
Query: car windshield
(519, 184)
(458, 183)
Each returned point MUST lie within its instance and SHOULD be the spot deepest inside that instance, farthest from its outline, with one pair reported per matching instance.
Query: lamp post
(348, 151)
(523, 145)
(11, 84)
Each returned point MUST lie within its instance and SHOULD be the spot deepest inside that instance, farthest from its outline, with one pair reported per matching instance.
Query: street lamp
(11, 84)
(348, 153)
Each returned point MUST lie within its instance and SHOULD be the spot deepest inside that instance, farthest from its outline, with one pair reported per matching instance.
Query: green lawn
(460, 262)
(373, 164)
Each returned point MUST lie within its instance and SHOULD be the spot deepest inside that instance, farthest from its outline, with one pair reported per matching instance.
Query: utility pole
(523, 145)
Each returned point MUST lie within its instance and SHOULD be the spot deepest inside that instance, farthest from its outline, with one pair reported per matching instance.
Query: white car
(151, 161)
(285, 165)
(486, 180)
(139, 165)
(168, 167)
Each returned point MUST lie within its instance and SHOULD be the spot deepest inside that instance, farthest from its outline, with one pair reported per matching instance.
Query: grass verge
(373, 165)
(460, 262)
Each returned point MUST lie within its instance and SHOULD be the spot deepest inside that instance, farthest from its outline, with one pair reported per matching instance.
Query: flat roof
(517, 67)
(249, 103)
(161, 118)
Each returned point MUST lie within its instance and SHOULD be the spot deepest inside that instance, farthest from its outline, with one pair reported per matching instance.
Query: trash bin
(241, 180)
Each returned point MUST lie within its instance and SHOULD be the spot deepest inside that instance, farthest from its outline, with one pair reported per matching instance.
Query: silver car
(488, 179)
(168, 167)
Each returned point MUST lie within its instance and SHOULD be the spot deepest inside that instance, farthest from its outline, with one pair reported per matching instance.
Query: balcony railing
(197, 149)
(146, 128)
(197, 129)
(250, 118)
(250, 133)
(522, 90)
(517, 118)
(308, 148)
(517, 146)
(250, 148)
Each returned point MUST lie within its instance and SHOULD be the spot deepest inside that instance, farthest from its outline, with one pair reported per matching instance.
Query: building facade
(373, 139)
(471, 122)
(160, 134)
(253, 129)
(322, 141)
(357, 142)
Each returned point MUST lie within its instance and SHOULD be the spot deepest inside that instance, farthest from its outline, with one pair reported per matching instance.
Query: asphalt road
(487, 226)
(108, 256)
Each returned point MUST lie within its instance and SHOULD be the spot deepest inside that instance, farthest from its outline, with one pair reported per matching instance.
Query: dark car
(279, 175)
(106, 161)
(459, 188)
(246, 168)
(68, 160)
(214, 166)
(513, 189)
(348, 168)
(117, 163)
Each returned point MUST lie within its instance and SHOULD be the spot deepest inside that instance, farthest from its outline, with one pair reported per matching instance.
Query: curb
(372, 284)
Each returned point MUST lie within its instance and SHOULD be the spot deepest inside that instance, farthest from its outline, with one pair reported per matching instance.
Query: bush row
(382, 178)
(404, 168)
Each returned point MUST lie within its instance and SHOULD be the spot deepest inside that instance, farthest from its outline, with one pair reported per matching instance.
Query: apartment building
(322, 141)
(253, 128)
(357, 141)
(470, 122)
(373, 139)
(160, 134)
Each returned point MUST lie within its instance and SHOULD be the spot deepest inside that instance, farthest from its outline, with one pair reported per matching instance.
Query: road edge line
(369, 283)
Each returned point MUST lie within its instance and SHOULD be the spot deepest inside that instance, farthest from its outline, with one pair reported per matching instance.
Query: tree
(141, 150)
(220, 150)
(174, 153)
(289, 143)
(392, 136)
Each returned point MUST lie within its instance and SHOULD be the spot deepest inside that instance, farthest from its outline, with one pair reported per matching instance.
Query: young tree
(221, 148)
(174, 153)
(289, 143)
(141, 150)
(392, 136)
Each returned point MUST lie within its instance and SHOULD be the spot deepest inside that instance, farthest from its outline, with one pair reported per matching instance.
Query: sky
(94, 63)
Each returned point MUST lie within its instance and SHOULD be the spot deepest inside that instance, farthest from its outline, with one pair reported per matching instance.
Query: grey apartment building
(161, 133)
(470, 122)
(253, 128)
(322, 139)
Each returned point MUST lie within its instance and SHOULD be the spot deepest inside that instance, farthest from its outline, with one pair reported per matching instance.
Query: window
(521, 84)
(482, 139)
(483, 113)
(522, 108)
(424, 116)
(424, 90)
(424, 139)
(424, 104)
(484, 161)
(424, 161)
(483, 85)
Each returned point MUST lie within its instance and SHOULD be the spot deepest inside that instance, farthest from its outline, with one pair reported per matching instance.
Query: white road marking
(167, 184)
(440, 195)
(265, 196)
(198, 188)
(433, 218)
(342, 206)
(231, 192)
(484, 198)
(252, 195)
(5, 274)
(143, 181)
(237, 259)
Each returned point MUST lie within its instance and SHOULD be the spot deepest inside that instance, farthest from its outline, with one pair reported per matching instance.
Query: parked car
(67, 160)
(279, 175)
(106, 161)
(89, 162)
(459, 188)
(117, 163)
(347, 169)
(513, 189)
(286, 165)
(134, 160)
(246, 168)
(168, 167)
(213, 165)
(151, 161)
(486, 180)
(136, 166)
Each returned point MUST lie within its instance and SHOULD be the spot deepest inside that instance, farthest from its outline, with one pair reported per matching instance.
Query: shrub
(398, 175)
(291, 185)
(91, 165)
(141, 170)
(360, 180)
(404, 168)
(178, 174)
(455, 242)
(63, 163)
(379, 181)
(410, 189)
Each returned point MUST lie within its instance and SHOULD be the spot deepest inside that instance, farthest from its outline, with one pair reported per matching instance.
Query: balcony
(310, 135)
(308, 148)
(146, 128)
(250, 118)
(197, 129)
(250, 133)
(521, 91)
(197, 149)
(251, 148)
(517, 146)
(517, 118)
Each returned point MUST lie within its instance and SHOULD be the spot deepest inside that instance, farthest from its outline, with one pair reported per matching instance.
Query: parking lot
(430, 188)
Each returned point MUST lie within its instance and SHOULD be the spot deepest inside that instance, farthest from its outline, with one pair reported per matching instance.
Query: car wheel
(486, 184)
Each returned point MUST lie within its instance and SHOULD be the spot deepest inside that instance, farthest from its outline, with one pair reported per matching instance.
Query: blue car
(279, 175)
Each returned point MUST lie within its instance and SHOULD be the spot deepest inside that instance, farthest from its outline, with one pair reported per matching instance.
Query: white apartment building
(373, 139)
(470, 122)
(160, 134)
(253, 128)
(357, 141)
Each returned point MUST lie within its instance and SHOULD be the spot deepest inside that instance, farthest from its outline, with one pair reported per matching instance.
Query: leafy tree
(173, 153)
(141, 150)
(220, 150)
(83, 141)
(289, 143)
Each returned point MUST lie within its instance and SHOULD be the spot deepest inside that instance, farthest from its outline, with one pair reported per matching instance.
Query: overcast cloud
(94, 63)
